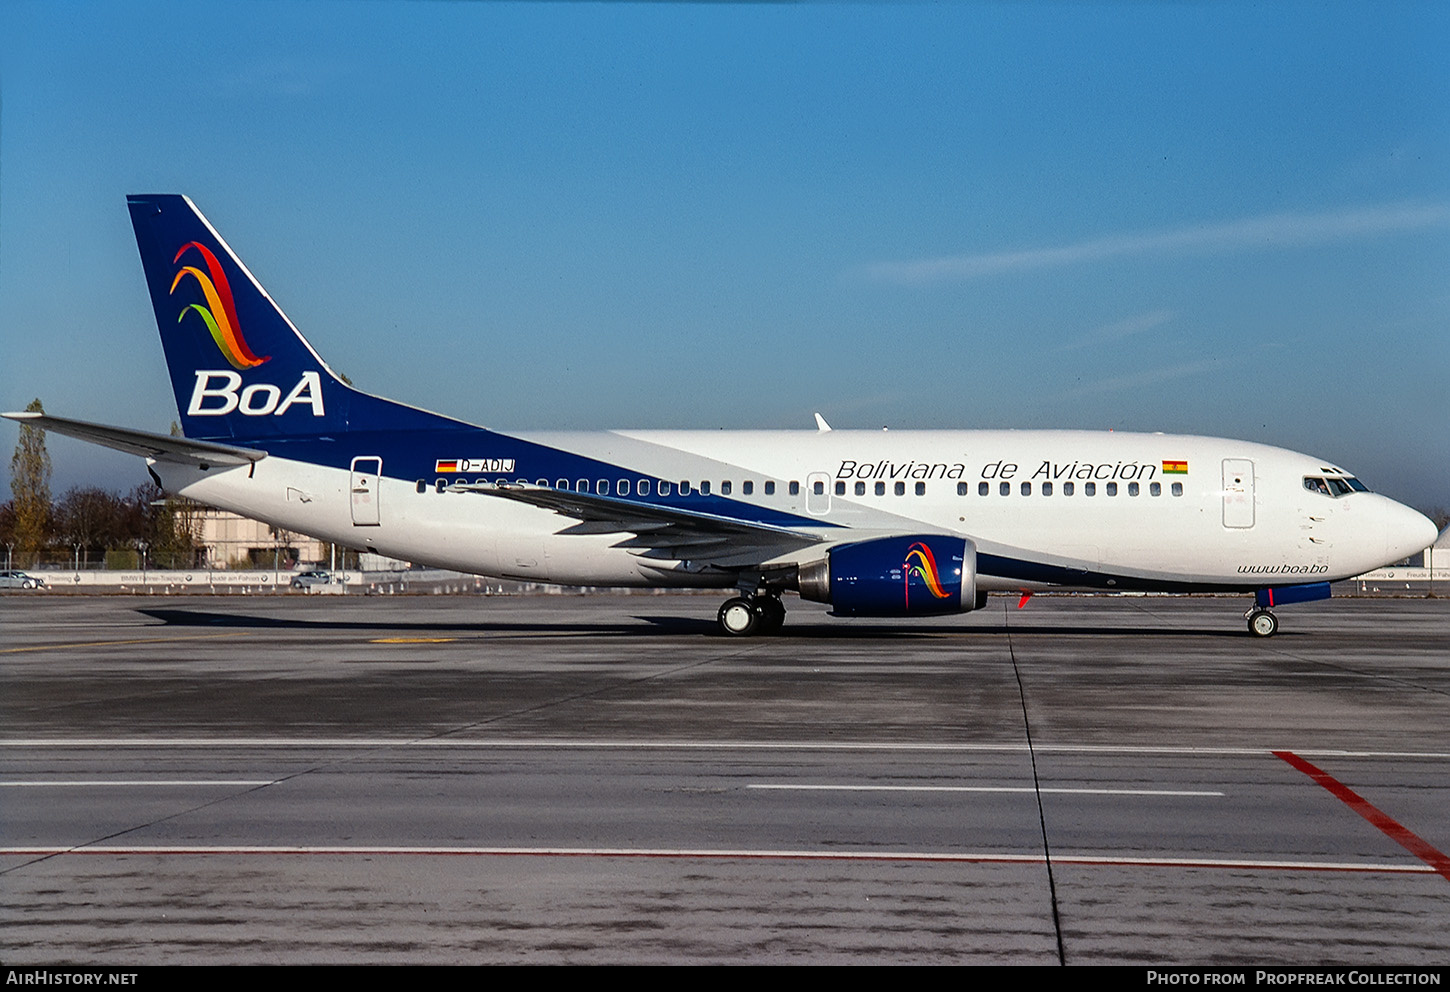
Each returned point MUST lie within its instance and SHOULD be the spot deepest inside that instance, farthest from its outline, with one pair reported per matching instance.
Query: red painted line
(1387, 824)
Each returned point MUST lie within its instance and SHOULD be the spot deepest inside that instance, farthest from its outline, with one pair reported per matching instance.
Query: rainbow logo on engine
(921, 562)
(220, 312)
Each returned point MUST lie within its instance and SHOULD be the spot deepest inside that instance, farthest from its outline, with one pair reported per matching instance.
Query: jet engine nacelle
(915, 574)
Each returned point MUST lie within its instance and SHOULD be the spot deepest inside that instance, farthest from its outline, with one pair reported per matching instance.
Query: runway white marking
(676, 745)
(1080, 859)
(982, 788)
(89, 783)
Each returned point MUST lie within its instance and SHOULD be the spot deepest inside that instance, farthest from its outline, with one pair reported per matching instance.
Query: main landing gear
(744, 616)
(1262, 623)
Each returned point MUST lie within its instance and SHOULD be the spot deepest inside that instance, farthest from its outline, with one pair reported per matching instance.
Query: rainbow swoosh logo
(921, 562)
(220, 312)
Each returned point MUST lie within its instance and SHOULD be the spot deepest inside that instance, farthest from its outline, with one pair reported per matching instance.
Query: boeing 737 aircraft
(896, 524)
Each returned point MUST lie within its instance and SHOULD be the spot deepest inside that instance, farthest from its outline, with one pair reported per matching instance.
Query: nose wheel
(1262, 623)
(745, 616)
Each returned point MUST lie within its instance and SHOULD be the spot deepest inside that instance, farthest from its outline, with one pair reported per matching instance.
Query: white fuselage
(1145, 509)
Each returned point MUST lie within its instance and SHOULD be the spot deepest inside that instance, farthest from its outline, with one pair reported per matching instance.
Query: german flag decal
(1175, 468)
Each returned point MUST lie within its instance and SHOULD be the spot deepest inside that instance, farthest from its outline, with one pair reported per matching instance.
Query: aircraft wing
(660, 532)
(162, 447)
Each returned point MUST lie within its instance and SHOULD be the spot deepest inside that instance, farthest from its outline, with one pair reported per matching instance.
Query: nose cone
(1406, 532)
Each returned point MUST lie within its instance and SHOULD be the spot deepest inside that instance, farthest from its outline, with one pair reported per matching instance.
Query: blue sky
(1204, 218)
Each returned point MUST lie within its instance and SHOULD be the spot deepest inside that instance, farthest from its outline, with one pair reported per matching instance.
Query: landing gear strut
(747, 615)
(1262, 623)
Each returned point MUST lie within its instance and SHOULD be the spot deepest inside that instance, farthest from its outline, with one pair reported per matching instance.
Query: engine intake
(915, 574)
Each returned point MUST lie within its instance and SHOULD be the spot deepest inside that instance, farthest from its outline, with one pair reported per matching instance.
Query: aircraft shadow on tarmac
(677, 625)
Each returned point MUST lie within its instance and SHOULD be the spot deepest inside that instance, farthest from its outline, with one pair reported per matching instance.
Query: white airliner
(900, 523)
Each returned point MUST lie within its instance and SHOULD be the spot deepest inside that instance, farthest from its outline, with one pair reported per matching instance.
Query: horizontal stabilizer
(162, 447)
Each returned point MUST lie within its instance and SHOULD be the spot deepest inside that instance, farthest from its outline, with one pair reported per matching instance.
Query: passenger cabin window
(1177, 489)
(1068, 488)
(795, 488)
(705, 488)
(900, 489)
(1089, 488)
(1004, 488)
(621, 488)
(840, 489)
(961, 488)
(601, 487)
(664, 488)
(439, 485)
(1047, 489)
(860, 488)
(819, 488)
(1112, 489)
(725, 488)
(1026, 489)
(747, 488)
(1155, 489)
(684, 487)
(880, 489)
(422, 485)
(921, 489)
(770, 489)
(983, 488)
(641, 488)
(1132, 489)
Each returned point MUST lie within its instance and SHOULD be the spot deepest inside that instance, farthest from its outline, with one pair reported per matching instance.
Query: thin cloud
(1147, 377)
(1119, 330)
(1269, 231)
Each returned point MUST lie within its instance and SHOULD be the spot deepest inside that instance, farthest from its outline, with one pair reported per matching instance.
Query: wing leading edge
(662, 532)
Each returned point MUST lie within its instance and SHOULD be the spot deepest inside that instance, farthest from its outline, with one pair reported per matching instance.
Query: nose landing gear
(1262, 623)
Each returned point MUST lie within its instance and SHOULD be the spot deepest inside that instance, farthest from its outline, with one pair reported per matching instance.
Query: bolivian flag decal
(1175, 468)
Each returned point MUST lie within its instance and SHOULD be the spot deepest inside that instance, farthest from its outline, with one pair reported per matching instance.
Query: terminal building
(233, 541)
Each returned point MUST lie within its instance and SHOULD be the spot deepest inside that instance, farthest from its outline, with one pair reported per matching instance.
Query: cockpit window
(1332, 486)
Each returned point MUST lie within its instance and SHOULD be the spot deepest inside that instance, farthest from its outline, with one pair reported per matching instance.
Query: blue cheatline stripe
(411, 455)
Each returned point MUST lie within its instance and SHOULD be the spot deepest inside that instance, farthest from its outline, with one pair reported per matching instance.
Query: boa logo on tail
(922, 563)
(220, 313)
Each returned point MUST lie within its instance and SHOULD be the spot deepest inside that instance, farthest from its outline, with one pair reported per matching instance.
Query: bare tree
(92, 520)
(167, 525)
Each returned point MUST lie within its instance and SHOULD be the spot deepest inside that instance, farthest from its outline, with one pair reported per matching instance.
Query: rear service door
(366, 479)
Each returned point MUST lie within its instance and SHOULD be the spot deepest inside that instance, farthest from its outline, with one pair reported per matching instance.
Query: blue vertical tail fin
(240, 369)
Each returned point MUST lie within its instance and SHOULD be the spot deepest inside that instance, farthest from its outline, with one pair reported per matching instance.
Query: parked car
(19, 580)
(305, 580)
